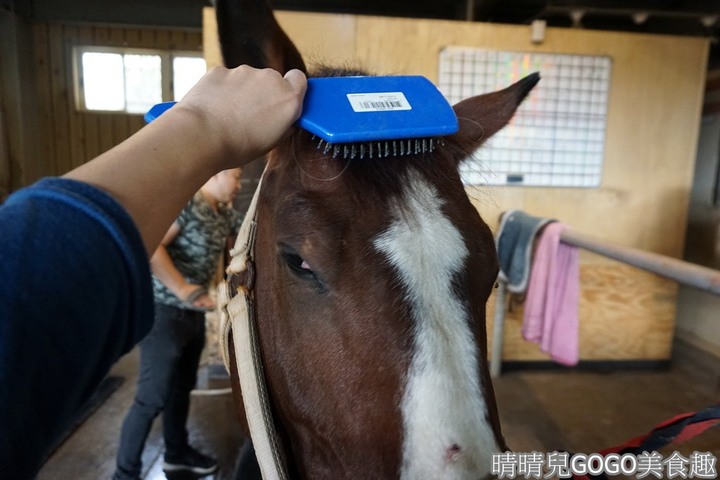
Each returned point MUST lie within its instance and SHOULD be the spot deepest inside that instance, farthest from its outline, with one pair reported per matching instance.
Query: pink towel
(551, 306)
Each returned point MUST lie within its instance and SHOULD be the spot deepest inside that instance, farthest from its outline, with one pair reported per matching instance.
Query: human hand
(204, 301)
(196, 297)
(244, 112)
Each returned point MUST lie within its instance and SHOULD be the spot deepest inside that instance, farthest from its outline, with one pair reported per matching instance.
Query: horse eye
(296, 263)
(301, 269)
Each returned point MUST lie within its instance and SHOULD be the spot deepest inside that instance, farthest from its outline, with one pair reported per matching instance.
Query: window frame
(166, 71)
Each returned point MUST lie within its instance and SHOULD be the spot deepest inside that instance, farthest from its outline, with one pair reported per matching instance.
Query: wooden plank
(149, 37)
(83, 124)
(133, 38)
(59, 86)
(101, 36)
(76, 122)
(46, 151)
(162, 39)
(191, 41)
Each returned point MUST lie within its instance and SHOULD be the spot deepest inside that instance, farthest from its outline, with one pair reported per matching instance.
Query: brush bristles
(377, 149)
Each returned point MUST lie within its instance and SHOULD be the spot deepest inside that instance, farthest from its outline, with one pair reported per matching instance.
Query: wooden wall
(71, 137)
(18, 105)
(697, 321)
(653, 117)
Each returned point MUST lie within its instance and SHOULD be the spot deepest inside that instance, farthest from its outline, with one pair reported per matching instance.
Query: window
(132, 80)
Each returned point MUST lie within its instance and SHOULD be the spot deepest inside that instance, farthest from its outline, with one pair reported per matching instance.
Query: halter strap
(236, 297)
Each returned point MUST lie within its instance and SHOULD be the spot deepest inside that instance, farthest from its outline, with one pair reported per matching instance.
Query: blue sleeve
(75, 295)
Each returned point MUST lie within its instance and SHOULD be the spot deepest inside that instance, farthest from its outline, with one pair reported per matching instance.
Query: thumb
(297, 80)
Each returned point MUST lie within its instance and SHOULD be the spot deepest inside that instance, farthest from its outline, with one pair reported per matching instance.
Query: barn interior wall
(68, 136)
(654, 112)
(18, 105)
(697, 320)
(656, 95)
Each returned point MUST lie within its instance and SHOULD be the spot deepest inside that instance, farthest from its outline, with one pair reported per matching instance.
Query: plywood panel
(653, 120)
(211, 45)
(322, 39)
(653, 117)
(625, 313)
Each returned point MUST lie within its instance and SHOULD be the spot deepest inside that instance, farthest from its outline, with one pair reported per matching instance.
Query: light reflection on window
(103, 81)
(143, 82)
(186, 72)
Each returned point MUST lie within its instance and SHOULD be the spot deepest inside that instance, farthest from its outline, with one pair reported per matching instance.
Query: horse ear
(482, 116)
(249, 34)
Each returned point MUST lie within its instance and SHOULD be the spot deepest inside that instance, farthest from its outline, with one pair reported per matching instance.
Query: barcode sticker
(378, 102)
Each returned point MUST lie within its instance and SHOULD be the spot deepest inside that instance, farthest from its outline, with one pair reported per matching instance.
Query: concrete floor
(89, 453)
(577, 411)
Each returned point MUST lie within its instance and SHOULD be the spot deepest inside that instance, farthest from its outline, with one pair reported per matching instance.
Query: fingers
(205, 301)
(244, 112)
(298, 82)
(271, 104)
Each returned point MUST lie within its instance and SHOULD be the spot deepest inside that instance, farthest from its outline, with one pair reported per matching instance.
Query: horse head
(372, 277)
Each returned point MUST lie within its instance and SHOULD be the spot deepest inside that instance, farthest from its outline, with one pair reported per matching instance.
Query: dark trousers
(169, 358)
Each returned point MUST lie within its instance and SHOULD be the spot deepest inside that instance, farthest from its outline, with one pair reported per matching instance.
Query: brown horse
(371, 284)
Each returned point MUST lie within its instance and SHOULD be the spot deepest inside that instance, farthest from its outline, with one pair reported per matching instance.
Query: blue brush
(376, 116)
(157, 110)
(370, 116)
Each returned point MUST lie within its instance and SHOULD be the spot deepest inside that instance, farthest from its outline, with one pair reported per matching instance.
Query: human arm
(165, 270)
(75, 291)
(75, 295)
(228, 119)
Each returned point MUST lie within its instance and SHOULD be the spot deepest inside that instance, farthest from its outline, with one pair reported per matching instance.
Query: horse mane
(324, 70)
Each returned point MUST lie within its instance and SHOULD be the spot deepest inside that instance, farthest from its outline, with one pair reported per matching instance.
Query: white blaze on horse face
(447, 435)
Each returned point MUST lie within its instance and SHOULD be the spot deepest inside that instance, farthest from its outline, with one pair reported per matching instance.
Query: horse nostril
(453, 452)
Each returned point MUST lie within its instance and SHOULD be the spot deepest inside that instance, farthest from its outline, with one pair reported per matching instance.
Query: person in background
(183, 267)
(76, 291)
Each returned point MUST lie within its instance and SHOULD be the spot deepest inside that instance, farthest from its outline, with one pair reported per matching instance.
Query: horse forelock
(335, 71)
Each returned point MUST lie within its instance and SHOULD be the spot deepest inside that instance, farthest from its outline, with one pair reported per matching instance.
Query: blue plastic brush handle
(330, 112)
(158, 110)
